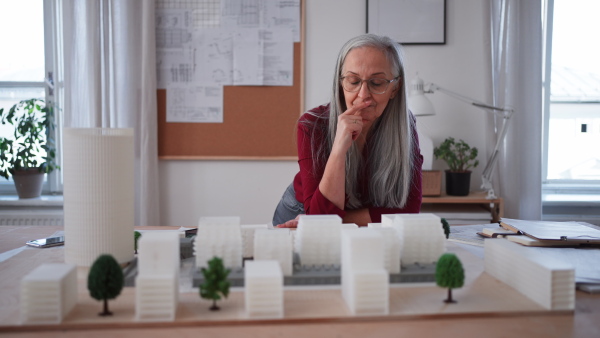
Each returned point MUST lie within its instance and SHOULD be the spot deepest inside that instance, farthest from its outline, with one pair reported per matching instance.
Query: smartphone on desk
(47, 242)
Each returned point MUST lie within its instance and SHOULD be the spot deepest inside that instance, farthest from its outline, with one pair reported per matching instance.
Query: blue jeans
(288, 207)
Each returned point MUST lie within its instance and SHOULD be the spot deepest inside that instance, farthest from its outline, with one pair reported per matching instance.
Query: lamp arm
(505, 113)
(432, 87)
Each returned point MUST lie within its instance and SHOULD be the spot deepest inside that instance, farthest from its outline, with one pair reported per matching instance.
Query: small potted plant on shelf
(460, 157)
(30, 152)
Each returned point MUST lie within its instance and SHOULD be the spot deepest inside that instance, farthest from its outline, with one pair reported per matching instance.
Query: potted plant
(460, 157)
(30, 152)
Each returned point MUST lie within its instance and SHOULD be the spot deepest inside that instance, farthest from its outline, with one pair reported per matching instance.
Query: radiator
(31, 218)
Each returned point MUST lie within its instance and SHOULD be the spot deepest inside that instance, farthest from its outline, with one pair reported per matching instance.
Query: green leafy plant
(33, 122)
(446, 227)
(458, 155)
(105, 281)
(215, 282)
(449, 273)
(136, 238)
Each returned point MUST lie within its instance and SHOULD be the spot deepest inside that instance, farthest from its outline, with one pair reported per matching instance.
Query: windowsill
(43, 201)
(571, 194)
(563, 199)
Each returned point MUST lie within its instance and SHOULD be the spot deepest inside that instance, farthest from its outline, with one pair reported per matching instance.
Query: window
(27, 65)
(572, 115)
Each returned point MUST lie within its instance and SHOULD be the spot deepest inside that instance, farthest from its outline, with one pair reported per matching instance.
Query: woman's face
(368, 63)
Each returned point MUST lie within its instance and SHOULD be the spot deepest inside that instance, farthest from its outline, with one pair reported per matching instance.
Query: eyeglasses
(353, 84)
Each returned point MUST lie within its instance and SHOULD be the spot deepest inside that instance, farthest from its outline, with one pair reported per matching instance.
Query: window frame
(53, 93)
(556, 186)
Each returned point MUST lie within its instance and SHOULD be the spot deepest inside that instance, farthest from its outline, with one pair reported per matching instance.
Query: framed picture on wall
(410, 22)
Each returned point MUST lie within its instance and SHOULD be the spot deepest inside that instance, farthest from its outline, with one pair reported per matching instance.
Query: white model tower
(157, 282)
(263, 289)
(544, 280)
(422, 238)
(318, 239)
(274, 244)
(391, 247)
(248, 238)
(48, 293)
(99, 194)
(219, 237)
(365, 282)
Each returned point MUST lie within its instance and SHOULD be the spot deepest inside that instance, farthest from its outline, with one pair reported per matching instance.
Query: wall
(251, 189)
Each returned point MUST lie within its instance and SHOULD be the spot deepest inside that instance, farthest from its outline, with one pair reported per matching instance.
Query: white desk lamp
(420, 105)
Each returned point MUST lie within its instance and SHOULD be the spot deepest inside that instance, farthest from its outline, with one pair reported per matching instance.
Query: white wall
(251, 189)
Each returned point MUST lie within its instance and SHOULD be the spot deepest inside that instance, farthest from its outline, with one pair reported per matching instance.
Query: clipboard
(561, 233)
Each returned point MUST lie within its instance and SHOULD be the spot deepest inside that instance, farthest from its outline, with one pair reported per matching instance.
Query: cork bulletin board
(259, 122)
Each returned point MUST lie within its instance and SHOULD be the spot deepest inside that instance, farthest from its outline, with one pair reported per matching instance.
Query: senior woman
(359, 155)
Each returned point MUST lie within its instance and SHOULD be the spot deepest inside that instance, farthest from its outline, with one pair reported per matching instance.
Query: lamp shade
(418, 104)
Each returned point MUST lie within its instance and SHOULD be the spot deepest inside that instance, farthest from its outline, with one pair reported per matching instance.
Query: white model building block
(263, 287)
(365, 282)
(157, 282)
(48, 293)
(318, 239)
(158, 253)
(156, 298)
(374, 225)
(349, 226)
(422, 238)
(274, 244)
(391, 249)
(544, 280)
(248, 238)
(220, 237)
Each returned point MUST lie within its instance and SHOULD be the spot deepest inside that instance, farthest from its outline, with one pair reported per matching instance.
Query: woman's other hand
(293, 223)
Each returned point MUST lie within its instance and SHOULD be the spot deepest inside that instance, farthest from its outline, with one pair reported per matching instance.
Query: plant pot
(458, 183)
(28, 182)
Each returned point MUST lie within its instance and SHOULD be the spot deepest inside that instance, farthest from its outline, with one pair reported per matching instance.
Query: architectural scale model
(98, 194)
(157, 281)
(219, 237)
(422, 238)
(365, 282)
(48, 293)
(318, 239)
(317, 248)
(548, 282)
(248, 238)
(274, 245)
(263, 290)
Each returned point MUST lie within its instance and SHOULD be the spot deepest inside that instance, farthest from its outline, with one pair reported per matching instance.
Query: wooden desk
(584, 322)
(494, 206)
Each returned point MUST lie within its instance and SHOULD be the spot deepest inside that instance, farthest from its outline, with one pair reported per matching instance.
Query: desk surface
(584, 322)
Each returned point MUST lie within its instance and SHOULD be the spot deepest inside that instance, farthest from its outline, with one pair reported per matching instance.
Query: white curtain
(110, 82)
(516, 46)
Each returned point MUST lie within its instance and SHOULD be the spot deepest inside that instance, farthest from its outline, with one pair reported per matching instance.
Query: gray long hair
(391, 141)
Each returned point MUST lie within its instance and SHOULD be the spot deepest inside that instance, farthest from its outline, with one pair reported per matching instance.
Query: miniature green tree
(215, 282)
(449, 274)
(105, 281)
(446, 227)
(136, 237)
